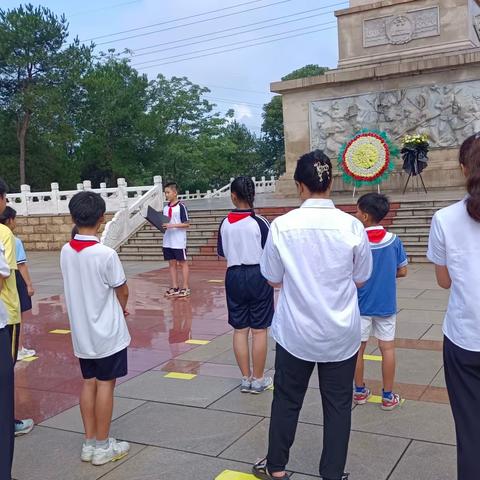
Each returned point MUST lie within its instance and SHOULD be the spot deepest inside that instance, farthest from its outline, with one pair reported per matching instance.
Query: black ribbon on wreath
(415, 159)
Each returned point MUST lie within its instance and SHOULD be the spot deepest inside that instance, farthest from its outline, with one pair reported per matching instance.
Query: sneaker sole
(86, 459)
(362, 402)
(390, 408)
(113, 459)
(24, 432)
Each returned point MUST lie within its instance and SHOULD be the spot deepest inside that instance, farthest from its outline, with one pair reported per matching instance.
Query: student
(378, 297)
(241, 239)
(175, 241)
(22, 274)
(10, 298)
(96, 295)
(454, 248)
(7, 422)
(319, 255)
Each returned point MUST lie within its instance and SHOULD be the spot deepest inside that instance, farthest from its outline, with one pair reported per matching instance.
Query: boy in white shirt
(175, 241)
(96, 296)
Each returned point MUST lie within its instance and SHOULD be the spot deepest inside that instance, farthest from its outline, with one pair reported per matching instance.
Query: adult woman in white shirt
(319, 255)
(454, 248)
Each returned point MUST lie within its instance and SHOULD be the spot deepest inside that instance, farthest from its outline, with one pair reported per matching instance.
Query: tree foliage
(67, 115)
(272, 127)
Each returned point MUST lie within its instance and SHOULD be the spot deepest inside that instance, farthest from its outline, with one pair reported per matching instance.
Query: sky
(159, 32)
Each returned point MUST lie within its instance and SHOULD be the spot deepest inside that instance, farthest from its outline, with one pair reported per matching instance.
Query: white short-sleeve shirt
(318, 253)
(455, 243)
(4, 273)
(91, 272)
(176, 238)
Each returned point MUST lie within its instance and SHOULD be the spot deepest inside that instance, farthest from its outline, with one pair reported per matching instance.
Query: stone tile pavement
(200, 425)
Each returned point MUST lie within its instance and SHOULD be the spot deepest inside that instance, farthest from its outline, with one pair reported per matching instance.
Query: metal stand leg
(354, 191)
(423, 183)
(406, 184)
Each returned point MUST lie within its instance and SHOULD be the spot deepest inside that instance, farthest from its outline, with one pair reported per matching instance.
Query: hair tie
(321, 169)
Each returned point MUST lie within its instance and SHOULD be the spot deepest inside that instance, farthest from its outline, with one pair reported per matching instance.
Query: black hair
(74, 232)
(470, 159)
(244, 188)
(375, 204)
(8, 214)
(3, 187)
(86, 208)
(171, 185)
(314, 170)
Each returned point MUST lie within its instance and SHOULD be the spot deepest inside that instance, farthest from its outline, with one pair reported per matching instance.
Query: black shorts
(249, 298)
(179, 254)
(108, 368)
(25, 299)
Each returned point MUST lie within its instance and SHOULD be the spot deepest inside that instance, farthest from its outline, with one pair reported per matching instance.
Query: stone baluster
(55, 196)
(122, 193)
(24, 190)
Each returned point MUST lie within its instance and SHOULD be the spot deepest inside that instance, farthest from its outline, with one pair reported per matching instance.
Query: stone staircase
(410, 220)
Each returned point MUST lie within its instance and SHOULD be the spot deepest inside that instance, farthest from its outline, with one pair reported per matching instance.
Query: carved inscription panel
(402, 28)
(447, 113)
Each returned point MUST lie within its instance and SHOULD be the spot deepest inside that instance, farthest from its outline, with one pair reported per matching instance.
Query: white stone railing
(129, 218)
(56, 201)
(261, 186)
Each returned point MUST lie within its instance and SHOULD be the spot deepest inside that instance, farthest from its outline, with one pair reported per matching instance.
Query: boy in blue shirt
(378, 297)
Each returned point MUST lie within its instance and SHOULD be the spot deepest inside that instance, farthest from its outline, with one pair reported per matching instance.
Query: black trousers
(291, 382)
(14, 335)
(6, 406)
(462, 375)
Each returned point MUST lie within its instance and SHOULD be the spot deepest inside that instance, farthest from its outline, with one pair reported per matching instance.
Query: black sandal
(260, 471)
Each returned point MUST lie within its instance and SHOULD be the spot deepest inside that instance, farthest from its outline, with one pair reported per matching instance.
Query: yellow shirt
(9, 293)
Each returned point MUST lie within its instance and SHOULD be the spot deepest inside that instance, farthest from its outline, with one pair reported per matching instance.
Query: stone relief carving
(447, 113)
(401, 29)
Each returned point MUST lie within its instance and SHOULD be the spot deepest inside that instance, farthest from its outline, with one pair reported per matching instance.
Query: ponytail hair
(244, 189)
(470, 159)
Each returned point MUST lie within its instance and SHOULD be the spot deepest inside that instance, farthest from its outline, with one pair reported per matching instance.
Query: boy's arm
(401, 272)
(25, 273)
(122, 295)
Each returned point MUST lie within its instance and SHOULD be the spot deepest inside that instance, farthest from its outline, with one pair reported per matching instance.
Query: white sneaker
(115, 451)
(261, 384)
(25, 353)
(87, 452)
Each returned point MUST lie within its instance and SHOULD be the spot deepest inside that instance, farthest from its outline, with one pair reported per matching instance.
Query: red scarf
(170, 209)
(234, 217)
(79, 245)
(377, 235)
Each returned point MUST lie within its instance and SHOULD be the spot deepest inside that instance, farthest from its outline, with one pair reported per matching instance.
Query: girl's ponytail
(470, 159)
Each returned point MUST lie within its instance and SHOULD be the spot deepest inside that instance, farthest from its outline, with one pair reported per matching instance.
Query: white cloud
(242, 112)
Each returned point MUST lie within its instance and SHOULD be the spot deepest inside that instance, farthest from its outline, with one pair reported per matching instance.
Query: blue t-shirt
(21, 255)
(378, 297)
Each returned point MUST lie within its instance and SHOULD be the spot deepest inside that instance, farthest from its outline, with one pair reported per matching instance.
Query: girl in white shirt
(454, 248)
(319, 255)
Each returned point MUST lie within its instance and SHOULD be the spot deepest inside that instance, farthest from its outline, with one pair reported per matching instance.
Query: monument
(405, 66)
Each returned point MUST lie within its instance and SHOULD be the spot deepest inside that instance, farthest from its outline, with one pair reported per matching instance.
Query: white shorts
(382, 328)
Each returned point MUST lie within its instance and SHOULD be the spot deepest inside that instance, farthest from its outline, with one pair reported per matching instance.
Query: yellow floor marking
(232, 475)
(215, 281)
(180, 376)
(378, 399)
(60, 331)
(375, 358)
(29, 359)
(197, 342)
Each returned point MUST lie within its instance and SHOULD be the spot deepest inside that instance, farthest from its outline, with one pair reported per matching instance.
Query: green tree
(34, 65)
(273, 141)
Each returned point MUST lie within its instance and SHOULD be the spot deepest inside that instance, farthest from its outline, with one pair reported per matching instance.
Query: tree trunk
(22, 127)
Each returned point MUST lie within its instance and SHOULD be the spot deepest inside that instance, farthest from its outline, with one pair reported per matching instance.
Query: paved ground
(200, 426)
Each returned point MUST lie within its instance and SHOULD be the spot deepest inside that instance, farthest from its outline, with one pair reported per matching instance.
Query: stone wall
(45, 232)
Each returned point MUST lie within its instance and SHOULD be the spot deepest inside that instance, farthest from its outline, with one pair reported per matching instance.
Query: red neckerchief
(237, 215)
(79, 245)
(377, 235)
(170, 209)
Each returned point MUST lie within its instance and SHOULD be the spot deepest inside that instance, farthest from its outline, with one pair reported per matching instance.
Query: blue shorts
(108, 368)
(178, 254)
(249, 298)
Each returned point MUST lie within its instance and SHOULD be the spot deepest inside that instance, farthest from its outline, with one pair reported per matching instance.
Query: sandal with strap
(260, 471)
(172, 292)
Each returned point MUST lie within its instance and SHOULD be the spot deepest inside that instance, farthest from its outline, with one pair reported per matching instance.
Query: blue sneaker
(261, 384)
(22, 427)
